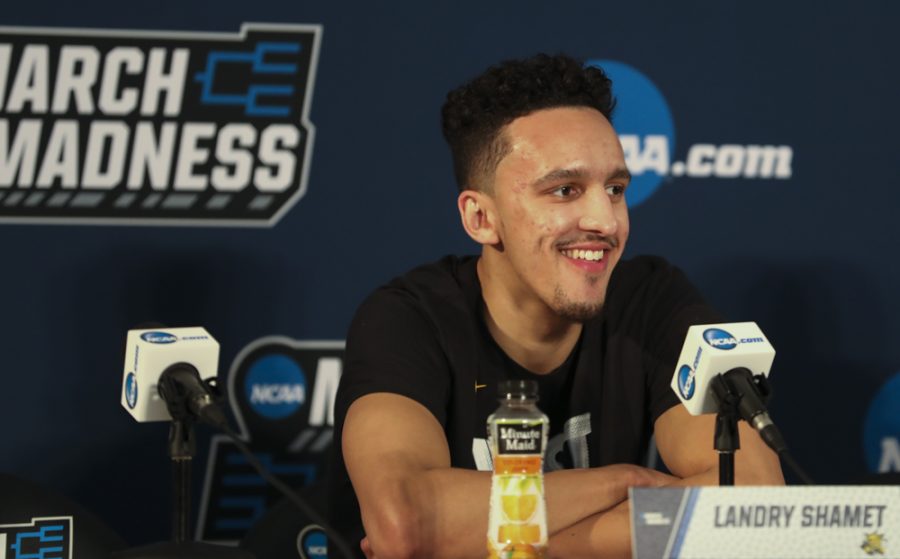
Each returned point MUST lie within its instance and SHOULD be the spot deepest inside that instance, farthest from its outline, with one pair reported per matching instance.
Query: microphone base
(186, 550)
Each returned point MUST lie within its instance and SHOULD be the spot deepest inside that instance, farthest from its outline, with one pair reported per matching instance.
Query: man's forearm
(608, 534)
(605, 535)
(575, 495)
(744, 474)
(448, 507)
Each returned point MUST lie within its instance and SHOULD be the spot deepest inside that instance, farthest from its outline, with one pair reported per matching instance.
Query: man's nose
(598, 215)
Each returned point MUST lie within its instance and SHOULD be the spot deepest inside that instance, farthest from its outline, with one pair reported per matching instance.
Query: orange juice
(517, 525)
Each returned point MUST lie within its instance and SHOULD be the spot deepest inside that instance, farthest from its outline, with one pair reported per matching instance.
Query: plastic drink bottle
(517, 524)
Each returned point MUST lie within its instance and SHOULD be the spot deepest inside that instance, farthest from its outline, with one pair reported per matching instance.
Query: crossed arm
(415, 505)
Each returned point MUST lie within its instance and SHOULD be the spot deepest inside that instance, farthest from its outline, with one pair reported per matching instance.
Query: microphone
(728, 362)
(166, 374)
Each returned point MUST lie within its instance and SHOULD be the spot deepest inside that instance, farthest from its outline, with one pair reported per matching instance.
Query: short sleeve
(393, 346)
(674, 306)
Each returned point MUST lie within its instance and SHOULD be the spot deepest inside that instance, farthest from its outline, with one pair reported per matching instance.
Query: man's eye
(564, 191)
(615, 190)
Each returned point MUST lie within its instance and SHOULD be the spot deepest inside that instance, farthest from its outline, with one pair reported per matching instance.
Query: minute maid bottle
(517, 525)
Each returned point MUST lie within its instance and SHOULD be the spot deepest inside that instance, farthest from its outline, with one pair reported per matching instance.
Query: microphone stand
(182, 446)
(727, 439)
(181, 451)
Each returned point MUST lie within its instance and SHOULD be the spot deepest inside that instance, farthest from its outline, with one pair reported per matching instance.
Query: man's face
(560, 209)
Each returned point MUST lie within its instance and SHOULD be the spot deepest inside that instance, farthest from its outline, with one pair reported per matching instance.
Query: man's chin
(587, 305)
(579, 312)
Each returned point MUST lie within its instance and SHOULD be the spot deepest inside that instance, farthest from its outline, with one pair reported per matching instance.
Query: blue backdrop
(801, 243)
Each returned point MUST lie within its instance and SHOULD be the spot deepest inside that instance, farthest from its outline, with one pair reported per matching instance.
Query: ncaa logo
(686, 382)
(647, 133)
(131, 390)
(881, 435)
(275, 386)
(312, 543)
(159, 337)
(644, 124)
(719, 339)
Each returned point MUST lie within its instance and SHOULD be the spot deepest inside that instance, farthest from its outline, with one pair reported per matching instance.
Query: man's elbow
(761, 476)
(394, 533)
(764, 469)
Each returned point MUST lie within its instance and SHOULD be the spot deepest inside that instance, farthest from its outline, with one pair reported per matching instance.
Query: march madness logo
(135, 127)
(42, 538)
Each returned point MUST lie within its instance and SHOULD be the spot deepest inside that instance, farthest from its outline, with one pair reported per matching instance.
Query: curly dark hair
(474, 115)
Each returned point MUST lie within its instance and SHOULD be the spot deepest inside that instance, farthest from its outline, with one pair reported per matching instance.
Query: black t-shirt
(423, 336)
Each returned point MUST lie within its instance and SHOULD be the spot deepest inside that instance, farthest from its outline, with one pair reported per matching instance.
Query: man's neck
(529, 332)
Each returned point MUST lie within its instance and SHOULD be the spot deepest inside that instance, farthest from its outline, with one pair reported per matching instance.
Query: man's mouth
(586, 255)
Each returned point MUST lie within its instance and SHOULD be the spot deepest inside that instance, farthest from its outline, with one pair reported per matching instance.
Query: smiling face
(559, 211)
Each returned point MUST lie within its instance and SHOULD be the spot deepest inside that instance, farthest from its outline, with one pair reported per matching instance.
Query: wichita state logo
(135, 127)
(874, 544)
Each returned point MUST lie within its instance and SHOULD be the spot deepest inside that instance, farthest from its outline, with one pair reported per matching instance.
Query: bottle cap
(518, 390)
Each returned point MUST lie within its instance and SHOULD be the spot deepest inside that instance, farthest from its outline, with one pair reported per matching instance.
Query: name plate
(840, 522)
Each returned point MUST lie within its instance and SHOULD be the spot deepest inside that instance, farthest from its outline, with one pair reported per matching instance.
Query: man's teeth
(591, 255)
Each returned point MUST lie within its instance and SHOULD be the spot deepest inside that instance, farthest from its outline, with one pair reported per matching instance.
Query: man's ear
(476, 209)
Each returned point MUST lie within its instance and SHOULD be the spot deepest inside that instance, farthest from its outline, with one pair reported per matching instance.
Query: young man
(542, 189)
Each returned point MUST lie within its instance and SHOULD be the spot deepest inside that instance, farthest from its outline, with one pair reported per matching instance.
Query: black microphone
(752, 392)
(187, 395)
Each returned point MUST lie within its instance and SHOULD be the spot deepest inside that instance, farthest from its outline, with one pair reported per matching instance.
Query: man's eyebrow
(621, 173)
(561, 175)
(578, 173)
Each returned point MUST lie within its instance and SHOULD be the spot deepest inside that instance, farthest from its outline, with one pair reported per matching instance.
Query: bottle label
(520, 439)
